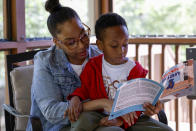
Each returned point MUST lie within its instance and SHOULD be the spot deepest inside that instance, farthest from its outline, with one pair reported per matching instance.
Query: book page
(133, 94)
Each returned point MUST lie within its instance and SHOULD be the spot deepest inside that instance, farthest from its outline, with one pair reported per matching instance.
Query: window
(80, 7)
(36, 19)
(1, 19)
(36, 16)
(85, 10)
(145, 17)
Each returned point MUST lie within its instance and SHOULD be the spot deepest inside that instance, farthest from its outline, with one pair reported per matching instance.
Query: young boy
(102, 74)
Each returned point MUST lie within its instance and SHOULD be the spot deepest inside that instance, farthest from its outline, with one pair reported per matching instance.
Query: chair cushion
(21, 79)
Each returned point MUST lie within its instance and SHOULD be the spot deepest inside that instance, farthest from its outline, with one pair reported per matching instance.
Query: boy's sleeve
(137, 72)
(83, 91)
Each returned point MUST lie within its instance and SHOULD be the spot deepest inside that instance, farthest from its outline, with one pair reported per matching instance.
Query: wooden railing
(177, 42)
(150, 41)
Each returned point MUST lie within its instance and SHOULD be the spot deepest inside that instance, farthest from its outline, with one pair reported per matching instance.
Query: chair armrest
(13, 111)
(35, 121)
(162, 117)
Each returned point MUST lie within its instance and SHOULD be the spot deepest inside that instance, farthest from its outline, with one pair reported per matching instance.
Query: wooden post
(150, 60)
(176, 101)
(162, 60)
(5, 20)
(137, 52)
(191, 111)
(18, 20)
(163, 64)
(105, 6)
(191, 114)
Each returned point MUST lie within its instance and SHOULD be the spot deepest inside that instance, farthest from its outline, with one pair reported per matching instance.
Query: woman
(57, 70)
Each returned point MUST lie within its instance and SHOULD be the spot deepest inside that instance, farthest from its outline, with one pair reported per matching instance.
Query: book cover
(178, 81)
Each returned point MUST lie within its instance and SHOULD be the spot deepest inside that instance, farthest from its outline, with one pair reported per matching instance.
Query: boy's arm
(98, 104)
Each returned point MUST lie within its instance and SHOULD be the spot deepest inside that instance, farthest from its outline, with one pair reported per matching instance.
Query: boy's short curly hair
(108, 20)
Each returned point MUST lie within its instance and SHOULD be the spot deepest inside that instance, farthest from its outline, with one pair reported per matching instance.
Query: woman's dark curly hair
(58, 15)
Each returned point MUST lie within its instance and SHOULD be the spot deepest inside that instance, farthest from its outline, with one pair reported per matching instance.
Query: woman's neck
(76, 61)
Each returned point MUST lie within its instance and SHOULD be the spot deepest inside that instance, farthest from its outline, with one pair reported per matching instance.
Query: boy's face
(114, 44)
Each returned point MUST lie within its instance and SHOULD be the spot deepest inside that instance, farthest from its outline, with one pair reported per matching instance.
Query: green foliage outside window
(36, 16)
(1, 19)
(36, 19)
(170, 17)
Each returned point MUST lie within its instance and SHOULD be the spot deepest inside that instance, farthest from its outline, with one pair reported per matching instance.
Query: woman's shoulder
(94, 51)
(96, 59)
(95, 62)
(44, 54)
(44, 57)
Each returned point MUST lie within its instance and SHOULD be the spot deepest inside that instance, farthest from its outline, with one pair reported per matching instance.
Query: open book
(176, 82)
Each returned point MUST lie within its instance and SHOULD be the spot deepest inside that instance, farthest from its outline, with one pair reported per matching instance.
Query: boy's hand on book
(74, 109)
(114, 122)
(152, 110)
(129, 118)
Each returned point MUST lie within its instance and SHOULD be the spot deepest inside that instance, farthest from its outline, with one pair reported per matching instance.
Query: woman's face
(73, 39)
